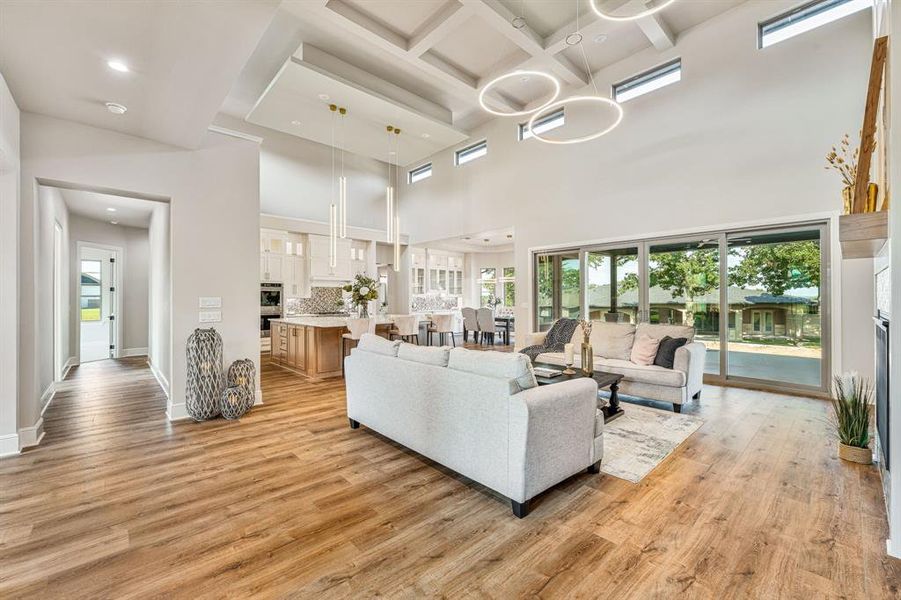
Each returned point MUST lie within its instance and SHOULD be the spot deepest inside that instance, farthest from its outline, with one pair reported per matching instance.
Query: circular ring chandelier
(645, 13)
(574, 99)
(510, 75)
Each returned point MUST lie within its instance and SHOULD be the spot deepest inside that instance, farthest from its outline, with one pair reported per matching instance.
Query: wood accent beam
(868, 132)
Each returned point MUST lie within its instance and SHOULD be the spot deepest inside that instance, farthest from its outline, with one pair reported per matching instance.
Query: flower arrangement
(492, 301)
(844, 160)
(362, 290)
(851, 398)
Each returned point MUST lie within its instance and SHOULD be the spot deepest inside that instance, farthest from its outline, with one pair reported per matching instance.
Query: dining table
(506, 323)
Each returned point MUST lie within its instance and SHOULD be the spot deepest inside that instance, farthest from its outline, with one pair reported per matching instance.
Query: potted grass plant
(851, 396)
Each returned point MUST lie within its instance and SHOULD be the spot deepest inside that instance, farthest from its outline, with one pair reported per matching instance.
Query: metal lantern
(204, 386)
(242, 373)
(233, 403)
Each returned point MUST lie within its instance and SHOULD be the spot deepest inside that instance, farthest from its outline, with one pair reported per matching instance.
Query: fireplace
(882, 388)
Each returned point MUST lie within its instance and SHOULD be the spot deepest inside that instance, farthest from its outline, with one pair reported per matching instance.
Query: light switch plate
(210, 316)
(210, 302)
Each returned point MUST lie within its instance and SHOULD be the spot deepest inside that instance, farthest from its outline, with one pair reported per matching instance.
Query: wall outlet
(210, 316)
(210, 302)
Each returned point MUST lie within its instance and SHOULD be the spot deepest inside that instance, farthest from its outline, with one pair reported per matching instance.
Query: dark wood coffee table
(604, 380)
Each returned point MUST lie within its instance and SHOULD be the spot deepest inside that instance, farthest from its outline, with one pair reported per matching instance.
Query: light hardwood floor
(119, 503)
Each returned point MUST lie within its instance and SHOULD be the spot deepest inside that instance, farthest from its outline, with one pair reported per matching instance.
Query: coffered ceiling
(426, 60)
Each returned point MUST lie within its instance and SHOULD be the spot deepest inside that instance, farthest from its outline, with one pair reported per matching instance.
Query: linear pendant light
(332, 208)
(395, 202)
(342, 185)
(389, 194)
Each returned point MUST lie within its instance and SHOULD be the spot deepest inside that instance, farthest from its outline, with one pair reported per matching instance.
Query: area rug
(638, 441)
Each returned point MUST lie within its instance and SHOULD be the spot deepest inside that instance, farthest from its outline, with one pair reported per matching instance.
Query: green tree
(777, 267)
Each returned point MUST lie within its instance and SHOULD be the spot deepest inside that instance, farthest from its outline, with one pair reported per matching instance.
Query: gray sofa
(478, 413)
(612, 347)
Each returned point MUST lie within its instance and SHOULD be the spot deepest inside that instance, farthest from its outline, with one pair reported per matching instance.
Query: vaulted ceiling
(425, 61)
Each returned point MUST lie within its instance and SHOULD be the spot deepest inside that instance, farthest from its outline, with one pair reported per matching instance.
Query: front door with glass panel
(96, 304)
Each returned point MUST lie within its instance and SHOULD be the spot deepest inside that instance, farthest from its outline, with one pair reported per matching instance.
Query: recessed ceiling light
(392, 153)
(425, 135)
(295, 122)
(467, 238)
(524, 79)
(117, 65)
(114, 222)
(110, 209)
(486, 240)
(116, 109)
(324, 97)
(600, 38)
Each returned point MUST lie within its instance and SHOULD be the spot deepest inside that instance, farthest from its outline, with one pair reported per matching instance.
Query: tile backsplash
(321, 300)
(427, 302)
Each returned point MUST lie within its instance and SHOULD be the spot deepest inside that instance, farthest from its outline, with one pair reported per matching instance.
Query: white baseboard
(177, 412)
(31, 436)
(133, 352)
(160, 378)
(9, 444)
(47, 396)
(258, 397)
(71, 362)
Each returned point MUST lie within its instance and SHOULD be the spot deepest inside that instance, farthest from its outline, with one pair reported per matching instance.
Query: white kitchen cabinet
(296, 283)
(320, 267)
(273, 242)
(271, 267)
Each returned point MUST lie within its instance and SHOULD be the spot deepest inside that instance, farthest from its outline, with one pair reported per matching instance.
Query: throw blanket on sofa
(560, 334)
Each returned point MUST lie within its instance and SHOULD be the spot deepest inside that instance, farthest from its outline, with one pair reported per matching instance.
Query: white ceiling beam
(460, 84)
(589, 25)
(437, 27)
(500, 18)
(657, 31)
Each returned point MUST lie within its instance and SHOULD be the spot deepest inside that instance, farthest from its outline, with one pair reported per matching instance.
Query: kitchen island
(311, 345)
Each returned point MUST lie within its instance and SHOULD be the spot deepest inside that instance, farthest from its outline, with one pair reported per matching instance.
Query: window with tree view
(508, 281)
(488, 281)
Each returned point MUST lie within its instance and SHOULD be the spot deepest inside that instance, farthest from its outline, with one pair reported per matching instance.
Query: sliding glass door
(684, 289)
(558, 279)
(755, 298)
(775, 313)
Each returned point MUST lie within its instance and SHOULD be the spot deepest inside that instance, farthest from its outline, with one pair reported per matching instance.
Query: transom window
(648, 81)
(806, 17)
(420, 173)
(470, 153)
(550, 121)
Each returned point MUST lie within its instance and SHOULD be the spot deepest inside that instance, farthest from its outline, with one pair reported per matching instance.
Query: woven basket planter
(233, 403)
(204, 385)
(863, 456)
(242, 373)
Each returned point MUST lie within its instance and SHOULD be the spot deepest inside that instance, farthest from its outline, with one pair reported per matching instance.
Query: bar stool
(406, 327)
(357, 328)
(442, 325)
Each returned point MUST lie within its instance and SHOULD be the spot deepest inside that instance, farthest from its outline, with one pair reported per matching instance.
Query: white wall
(295, 178)
(134, 284)
(9, 269)
(214, 234)
(52, 210)
(741, 138)
(160, 313)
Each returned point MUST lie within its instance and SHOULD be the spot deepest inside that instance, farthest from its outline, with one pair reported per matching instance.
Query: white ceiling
(184, 58)
(129, 212)
(495, 240)
(430, 58)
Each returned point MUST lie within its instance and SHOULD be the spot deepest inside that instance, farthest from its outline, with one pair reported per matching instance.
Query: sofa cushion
(651, 374)
(377, 344)
(612, 340)
(666, 352)
(644, 350)
(638, 373)
(661, 331)
(429, 355)
(513, 366)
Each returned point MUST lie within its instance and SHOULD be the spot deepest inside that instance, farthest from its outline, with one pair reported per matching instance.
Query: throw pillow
(666, 353)
(644, 350)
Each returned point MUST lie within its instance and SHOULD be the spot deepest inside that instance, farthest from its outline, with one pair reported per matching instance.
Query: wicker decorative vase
(242, 373)
(233, 403)
(863, 456)
(204, 385)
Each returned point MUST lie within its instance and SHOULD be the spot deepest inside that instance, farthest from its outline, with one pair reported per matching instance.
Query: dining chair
(470, 323)
(356, 328)
(487, 326)
(406, 327)
(442, 325)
